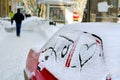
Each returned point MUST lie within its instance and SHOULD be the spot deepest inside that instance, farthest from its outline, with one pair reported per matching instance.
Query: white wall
(68, 15)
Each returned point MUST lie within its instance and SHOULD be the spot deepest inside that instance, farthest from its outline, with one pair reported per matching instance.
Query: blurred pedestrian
(18, 17)
(11, 15)
(39, 10)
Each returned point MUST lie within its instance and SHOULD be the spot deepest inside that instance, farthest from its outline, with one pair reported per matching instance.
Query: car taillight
(32, 61)
(109, 77)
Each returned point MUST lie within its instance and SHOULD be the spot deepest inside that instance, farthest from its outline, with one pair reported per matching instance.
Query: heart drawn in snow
(86, 53)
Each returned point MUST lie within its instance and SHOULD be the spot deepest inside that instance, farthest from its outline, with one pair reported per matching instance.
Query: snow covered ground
(14, 50)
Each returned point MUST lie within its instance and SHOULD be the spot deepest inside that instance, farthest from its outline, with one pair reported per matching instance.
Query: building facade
(94, 15)
(17, 4)
(9, 5)
(62, 11)
(69, 11)
(4, 7)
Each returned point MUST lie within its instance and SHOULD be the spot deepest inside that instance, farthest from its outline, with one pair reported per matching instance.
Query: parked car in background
(69, 54)
(118, 18)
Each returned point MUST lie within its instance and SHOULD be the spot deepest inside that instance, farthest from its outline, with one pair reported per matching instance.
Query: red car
(68, 55)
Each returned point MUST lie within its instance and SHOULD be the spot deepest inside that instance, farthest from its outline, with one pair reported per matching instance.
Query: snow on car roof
(85, 58)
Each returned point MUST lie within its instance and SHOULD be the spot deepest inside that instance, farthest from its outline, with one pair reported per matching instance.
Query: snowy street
(13, 53)
(14, 50)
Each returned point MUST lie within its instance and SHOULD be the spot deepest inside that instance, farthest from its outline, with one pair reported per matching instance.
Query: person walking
(18, 17)
(11, 14)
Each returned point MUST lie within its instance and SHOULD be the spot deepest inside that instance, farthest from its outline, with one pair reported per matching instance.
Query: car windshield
(70, 50)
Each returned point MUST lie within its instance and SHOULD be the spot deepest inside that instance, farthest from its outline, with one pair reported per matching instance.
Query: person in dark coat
(18, 17)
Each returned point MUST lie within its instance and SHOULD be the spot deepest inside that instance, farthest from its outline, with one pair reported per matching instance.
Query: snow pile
(31, 22)
(2, 32)
(5, 23)
(39, 25)
(35, 24)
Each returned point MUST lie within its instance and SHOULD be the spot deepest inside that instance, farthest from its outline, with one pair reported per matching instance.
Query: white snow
(14, 50)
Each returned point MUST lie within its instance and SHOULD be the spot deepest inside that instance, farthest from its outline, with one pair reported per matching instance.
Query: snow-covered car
(70, 54)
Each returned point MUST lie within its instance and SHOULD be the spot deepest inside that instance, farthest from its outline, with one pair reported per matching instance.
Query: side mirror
(103, 7)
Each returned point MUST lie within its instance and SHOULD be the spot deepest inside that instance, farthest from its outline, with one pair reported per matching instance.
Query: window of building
(93, 15)
(57, 13)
